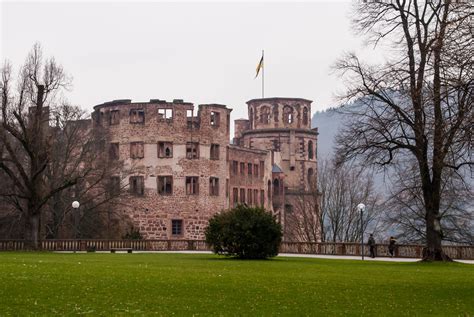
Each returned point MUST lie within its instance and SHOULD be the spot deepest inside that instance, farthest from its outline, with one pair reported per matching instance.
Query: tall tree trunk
(32, 230)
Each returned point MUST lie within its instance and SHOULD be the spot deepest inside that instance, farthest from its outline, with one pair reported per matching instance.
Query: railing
(325, 248)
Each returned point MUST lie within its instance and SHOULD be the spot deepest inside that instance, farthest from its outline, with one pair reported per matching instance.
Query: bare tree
(342, 189)
(419, 104)
(40, 161)
(405, 211)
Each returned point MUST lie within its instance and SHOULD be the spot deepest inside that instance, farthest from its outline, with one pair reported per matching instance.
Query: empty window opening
(213, 186)
(310, 150)
(215, 151)
(242, 169)
(276, 187)
(137, 116)
(192, 150)
(249, 169)
(165, 114)
(114, 153)
(114, 186)
(235, 196)
(264, 115)
(192, 185)
(137, 185)
(114, 117)
(165, 149)
(235, 167)
(165, 185)
(288, 114)
(242, 195)
(215, 118)
(305, 116)
(137, 150)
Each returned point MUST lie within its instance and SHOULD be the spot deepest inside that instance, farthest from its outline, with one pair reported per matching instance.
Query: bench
(113, 250)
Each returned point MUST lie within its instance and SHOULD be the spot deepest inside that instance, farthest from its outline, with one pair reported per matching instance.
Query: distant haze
(199, 52)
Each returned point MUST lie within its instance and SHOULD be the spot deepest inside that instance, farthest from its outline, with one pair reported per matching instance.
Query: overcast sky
(199, 52)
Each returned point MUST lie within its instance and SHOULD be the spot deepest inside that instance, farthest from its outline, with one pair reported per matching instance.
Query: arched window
(310, 150)
(305, 116)
(251, 117)
(168, 152)
(288, 114)
(310, 175)
(264, 115)
(276, 187)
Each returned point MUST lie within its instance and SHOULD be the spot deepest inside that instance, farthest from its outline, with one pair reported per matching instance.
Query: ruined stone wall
(241, 179)
(153, 213)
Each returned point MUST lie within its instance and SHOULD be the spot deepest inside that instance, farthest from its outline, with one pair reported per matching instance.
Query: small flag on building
(259, 66)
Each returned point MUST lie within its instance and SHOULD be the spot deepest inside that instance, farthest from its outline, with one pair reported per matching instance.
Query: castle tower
(283, 126)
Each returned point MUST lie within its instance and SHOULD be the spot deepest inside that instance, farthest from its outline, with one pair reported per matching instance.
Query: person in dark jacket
(371, 244)
(391, 246)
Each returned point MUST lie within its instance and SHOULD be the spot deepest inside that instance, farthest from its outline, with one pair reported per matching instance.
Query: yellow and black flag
(259, 66)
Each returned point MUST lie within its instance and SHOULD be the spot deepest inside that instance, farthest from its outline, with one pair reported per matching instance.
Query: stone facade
(181, 168)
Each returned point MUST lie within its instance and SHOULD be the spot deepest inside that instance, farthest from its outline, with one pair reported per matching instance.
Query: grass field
(204, 284)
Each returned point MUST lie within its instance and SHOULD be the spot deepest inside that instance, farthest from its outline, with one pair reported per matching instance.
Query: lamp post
(361, 208)
(75, 205)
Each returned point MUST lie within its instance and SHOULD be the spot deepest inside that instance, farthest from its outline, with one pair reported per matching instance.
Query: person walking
(371, 244)
(391, 246)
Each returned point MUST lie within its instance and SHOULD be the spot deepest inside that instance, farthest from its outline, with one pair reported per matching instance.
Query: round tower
(283, 125)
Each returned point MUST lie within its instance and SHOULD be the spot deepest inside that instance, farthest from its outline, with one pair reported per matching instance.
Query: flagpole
(263, 75)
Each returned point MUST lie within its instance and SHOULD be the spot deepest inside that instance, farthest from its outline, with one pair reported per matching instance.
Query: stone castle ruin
(184, 168)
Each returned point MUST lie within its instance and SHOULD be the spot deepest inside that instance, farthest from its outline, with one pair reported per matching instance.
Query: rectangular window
(192, 150)
(165, 114)
(137, 116)
(276, 145)
(242, 195)
(165, 149)
(215, 118)
(213, 186)
(249, 169)
(137, 150)
(137, 185)
(255, 170)
(255, 197)
(192, 121)
(235, 196)
(242, 169)
(249, 197)
(215, 151)
(235, 167)
(262, 197)
(227, 188)
(165, 185)
(262, 168)
(114, 117)
(114, 186)
(176, 227)
(114, 153)
(192, 185)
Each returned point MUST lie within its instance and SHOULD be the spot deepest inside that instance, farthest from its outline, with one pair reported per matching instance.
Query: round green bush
(244, 232)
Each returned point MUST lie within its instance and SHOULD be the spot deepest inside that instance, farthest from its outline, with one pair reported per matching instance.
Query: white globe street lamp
(75, 204)
(361, 208)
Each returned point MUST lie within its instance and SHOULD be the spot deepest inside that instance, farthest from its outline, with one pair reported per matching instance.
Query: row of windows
(251, 197)
(137, 116)
(288, 114)
(165, 185)
(250, 169)
(164, 150)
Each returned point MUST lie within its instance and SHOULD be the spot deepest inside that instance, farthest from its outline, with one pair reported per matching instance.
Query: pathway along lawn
(203, 284)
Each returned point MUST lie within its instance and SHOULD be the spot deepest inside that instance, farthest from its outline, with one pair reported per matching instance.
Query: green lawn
(203, 284)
